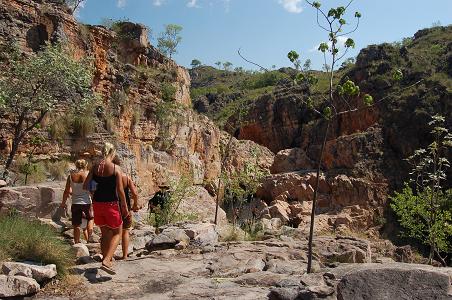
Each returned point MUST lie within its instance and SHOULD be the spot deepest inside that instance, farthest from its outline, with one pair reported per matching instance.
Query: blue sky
(266, 30)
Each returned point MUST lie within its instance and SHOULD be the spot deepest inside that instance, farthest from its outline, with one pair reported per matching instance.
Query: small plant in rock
(423, 207)
(168, 91)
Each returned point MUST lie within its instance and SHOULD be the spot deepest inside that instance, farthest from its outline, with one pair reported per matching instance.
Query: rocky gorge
(147, 108)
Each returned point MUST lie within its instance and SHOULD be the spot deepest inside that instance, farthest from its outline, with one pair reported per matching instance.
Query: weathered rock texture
(158, 140)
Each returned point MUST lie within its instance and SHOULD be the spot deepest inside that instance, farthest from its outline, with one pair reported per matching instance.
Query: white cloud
(158, 2)
(192, 3)
(121, 3)
(340, 44)
(292, 6)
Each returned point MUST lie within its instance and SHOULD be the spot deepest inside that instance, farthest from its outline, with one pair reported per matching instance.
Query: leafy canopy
(169, 39)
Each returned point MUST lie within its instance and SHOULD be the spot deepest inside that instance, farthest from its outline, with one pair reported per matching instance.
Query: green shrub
(261, 80)
(58, 169)
(169, 213)
(30, 172)
(168, 91)
(60, 128)
(22, 239)
(83, 125)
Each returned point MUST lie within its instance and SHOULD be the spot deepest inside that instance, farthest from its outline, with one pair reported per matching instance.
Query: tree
(169, 39)
(195, 63)
(227, 65)
(31, 88)
(343, 99)
(307, 65)
(74, 4)
(421, 207)
(218, 64)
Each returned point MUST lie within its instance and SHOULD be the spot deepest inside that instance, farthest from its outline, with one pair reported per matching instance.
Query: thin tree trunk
(314, 200)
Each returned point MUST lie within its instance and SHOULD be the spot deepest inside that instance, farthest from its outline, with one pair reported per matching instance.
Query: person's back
(79, 195)
(104, 174)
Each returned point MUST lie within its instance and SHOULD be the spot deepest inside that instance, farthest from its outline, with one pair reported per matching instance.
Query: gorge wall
(159, 137)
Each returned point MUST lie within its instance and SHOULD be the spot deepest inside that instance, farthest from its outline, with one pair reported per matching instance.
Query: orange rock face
(134, 81)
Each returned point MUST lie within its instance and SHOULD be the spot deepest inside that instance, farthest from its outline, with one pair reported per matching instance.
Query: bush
(58, 169)
(266, 79)
(21, 239)
(83, 125)
(30, 172)
(59, 129)
(168, 91)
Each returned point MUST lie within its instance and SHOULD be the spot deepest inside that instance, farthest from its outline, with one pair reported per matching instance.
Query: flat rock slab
(15, 286)
(37, 272)
(396, 281)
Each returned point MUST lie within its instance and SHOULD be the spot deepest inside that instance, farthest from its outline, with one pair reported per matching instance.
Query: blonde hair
(81, 164)
(109, 150)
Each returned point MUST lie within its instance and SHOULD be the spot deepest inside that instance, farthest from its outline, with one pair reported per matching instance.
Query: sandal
(108, 269)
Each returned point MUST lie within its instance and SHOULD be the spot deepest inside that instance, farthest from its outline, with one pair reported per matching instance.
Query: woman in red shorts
(107, 214)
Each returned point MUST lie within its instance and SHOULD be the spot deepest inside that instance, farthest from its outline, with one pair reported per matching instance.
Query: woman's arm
(120, 192)
(134, 192)
(67, 192)
(88, 180)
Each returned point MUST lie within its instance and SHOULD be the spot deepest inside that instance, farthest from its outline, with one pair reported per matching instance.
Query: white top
(79, 195)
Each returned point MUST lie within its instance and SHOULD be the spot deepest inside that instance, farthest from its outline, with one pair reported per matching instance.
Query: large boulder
(16, 286)
(39, 273)
(168, 239)
(395, 281)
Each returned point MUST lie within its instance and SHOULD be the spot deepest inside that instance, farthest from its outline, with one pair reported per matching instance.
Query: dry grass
(22, 239)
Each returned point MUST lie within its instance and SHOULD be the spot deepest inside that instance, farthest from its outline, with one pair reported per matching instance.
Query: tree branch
(248, 61)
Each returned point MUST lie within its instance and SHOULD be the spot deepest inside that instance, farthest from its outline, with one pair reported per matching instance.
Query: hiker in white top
(81, 207)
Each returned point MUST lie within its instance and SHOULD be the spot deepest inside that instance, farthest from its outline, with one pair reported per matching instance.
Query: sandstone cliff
(145, 105)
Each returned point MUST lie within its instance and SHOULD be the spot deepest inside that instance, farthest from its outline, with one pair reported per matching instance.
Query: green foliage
(195, 63)
(168, 91)
(179, 190)
(425, 212)
(414, 213)
(170, 39)
(261, 80)
(22, 239)
(32, 87)
(83, 124)
(30, 172)
(59, 129)
(227, 66)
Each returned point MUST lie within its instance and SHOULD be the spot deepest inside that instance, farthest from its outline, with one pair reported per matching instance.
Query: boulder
(289, 160)
(280, 209)
(168, 239)
(395, 281)
(39, 273)
(80, 250)
(2, 183)
(16, 286)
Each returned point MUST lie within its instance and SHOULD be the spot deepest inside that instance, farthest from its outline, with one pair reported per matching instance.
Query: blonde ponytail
(109, 151)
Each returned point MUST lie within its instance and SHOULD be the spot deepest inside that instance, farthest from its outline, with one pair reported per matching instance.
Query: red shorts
(107, 214)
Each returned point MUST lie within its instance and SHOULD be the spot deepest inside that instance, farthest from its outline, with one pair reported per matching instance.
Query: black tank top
(106, 188)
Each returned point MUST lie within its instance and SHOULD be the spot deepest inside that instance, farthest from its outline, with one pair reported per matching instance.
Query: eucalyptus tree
(30, 88)
(169, 40)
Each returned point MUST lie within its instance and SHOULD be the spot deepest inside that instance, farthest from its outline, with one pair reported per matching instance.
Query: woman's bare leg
(125, 243)
(115, 236)
(104, 240)
(77, 234)
(89, 228)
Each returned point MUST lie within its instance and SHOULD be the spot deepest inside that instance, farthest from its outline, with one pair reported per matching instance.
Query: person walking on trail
(158, 201)
(130, 191)
(109, 204)
(81, 207)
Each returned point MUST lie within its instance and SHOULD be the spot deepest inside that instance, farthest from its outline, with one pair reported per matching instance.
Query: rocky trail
(187, 261)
